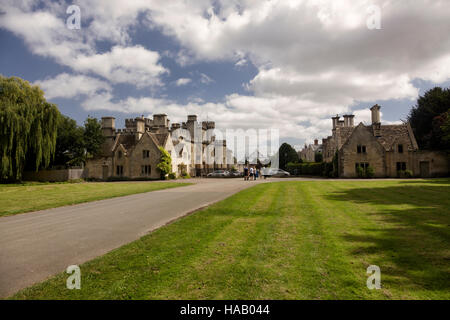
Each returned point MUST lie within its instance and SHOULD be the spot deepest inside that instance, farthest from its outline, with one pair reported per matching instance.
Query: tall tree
(287, 154)
(70, 145)
(428, 116)
(93, 137)
(27, 128)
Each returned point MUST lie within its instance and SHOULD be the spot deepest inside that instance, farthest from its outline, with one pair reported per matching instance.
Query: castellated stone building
(133, 152)
(388, 149)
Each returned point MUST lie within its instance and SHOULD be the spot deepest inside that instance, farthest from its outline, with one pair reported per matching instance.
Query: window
(362, 165)
(401, 166)
(361, 149)
(146, 170)
(145, 154)
(119, 170)
(400, 148)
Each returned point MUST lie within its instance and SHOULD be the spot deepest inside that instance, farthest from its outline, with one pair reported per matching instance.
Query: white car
(219, 174)
(273, 172)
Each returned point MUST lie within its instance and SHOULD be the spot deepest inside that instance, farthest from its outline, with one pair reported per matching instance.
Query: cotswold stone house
(388, 149)
(134, 152)
(308, 153)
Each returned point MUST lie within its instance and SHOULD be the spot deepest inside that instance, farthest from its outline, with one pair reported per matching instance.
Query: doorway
(425, 169)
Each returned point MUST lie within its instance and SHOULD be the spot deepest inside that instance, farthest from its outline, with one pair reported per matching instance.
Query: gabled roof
(161, 138)
(391, 134)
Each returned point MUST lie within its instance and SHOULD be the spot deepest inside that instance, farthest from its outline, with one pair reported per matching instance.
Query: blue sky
(288, 65)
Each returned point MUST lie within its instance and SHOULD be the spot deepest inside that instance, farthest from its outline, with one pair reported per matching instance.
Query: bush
(408, 174)
(360, 172)
(185, 175)
(370, 173)
(309, 169)
(172, 176)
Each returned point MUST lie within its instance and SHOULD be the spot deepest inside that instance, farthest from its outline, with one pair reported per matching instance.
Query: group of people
(251, 173)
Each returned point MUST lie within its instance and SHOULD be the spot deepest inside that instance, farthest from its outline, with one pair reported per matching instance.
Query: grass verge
(20, 198)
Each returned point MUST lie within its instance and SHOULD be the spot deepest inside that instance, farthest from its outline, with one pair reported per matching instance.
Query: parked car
(236, 174)
(219, 174)
(271, 172)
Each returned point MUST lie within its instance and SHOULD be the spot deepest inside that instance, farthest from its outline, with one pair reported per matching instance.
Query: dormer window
(400, 148)
(361, 149)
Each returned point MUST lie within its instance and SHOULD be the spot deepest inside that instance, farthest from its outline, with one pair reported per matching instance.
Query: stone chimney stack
(108, 126)
(335, 121)
(376, 114)
(316, 142)
(349, 120)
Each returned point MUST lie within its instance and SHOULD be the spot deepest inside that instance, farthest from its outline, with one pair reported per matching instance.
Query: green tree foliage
(93, 137)
(287, 154)
(69, 143)
(318, 157)
(446, 129)
(165, 163)
(75, 144)
(428, 117)
(28, 126)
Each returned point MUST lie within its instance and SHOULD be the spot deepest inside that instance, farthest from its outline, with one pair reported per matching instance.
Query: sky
(288, 65)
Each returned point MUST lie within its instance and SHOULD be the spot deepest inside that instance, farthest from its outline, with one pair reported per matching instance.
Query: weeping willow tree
(28, 126)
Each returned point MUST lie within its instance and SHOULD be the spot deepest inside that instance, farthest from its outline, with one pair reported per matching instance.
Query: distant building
(388, 149)
(133, 152)
(308, 153)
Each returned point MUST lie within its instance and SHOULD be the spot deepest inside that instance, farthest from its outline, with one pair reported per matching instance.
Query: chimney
(375, 114)
(108, 126)
(335, 121)
(316, 142)
(351, 119)
(192, 118)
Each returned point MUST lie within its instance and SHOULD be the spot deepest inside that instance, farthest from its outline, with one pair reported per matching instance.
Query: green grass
(288, 240)
(20, 198)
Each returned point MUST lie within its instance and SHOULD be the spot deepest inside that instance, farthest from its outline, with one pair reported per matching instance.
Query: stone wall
(55, 175)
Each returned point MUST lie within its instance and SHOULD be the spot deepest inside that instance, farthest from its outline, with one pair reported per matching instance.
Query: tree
(28, 126)
(70, 149)
(165, 163)
(93, 137)
(318, 157)
(286, 155)
(427, 118)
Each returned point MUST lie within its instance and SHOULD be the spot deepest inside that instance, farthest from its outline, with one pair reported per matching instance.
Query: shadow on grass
(412, 235)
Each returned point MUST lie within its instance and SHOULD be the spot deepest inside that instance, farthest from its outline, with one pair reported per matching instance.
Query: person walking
(245, 173)
(251, 173)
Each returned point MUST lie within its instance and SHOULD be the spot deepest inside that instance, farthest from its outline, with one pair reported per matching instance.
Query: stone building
(308, 153)
(388, 149)
(133, 152)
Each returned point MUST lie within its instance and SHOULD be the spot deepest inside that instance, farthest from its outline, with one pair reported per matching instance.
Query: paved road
(37, 245)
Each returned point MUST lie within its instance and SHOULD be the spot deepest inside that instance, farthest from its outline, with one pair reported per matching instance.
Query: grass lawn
(38, 196)
(288, 240)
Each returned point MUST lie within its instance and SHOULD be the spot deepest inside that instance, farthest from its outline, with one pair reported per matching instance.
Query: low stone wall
(54, 175)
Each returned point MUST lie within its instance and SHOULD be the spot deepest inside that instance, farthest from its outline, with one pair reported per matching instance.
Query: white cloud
(65, 85)
(182, 82)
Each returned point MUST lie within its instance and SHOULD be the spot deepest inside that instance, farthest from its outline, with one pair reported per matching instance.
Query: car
(273, 172)
(219, 174)
(236, 174)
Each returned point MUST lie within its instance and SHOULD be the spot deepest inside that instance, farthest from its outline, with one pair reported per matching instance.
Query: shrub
(185, 175)
(360, 172)
(309, 169)
(370, 172)
(165, 163)
(172, 176)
